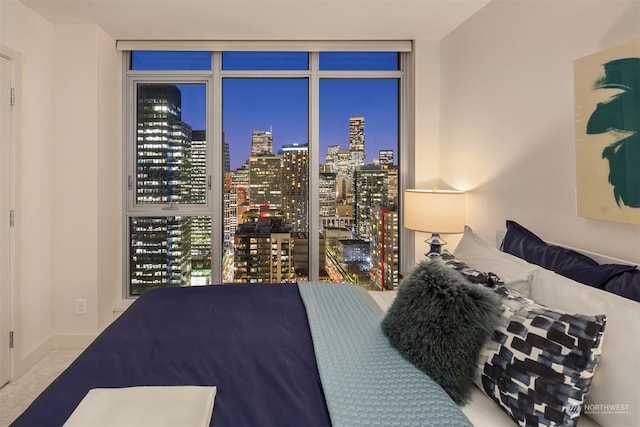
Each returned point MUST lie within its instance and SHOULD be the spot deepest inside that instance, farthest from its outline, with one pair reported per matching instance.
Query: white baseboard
(72, 341)
(21, 365)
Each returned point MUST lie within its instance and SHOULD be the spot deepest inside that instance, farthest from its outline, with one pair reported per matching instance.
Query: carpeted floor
(17, 395)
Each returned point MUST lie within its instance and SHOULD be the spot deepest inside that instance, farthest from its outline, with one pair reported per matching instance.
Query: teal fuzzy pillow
(439, 321)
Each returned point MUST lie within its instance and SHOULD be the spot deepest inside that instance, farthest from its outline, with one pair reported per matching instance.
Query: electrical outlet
(81, 306)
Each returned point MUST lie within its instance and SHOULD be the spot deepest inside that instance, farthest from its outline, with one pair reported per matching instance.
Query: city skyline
(287, 116)
(265, 216)
(280, 105)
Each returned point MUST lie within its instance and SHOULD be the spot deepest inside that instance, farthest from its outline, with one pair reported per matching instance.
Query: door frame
(14, 185)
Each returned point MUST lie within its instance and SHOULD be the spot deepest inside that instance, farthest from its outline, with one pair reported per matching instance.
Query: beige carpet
(17, 395)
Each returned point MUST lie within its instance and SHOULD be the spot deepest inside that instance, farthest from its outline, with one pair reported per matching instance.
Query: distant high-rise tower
(226, 155)
(198, 167)
(229, 209)
(235, 202)
(200, 225)
(392, 185)
(356, 142)
(384, 247)
(261, 143)
(327, 194)
(344, 174)
(295, 186)
(356, 133)
(331, 158)
(386, 157)
(369, 190)
(265, 181)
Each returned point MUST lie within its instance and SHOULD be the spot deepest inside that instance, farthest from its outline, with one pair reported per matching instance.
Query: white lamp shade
(435, 211)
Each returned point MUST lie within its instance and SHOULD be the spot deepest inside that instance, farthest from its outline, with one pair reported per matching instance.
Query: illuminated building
(263, 248)
(160, 247)
(370, 190)
(295, 186)
(261, 143)
(384, 248)
(327, 194)
(356, 139)
(385, 157)
(265, 181)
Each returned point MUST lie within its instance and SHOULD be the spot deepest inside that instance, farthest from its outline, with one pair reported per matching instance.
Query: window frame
(144, 77)
(213, 80)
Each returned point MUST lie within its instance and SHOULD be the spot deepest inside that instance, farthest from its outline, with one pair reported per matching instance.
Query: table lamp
(435, 211)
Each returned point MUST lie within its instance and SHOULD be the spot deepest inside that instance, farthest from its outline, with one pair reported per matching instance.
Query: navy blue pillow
(626, 284)
(524, 244)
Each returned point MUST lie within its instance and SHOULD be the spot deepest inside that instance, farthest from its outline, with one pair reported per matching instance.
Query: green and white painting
(607, 102)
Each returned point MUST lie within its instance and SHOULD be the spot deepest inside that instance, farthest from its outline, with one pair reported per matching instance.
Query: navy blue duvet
(251, 341)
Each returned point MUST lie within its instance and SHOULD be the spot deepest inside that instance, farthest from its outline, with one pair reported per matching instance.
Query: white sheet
(188, 406)
(383, 298)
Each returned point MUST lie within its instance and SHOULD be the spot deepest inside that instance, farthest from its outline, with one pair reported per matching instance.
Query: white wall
(69, 221)
(426, 133)
(507, 116)
(109, 169)
(87, 169)
(32, 37)
(75, 225)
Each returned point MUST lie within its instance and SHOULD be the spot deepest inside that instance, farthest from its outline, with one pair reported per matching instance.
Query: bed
(314, 354)
(254, 343)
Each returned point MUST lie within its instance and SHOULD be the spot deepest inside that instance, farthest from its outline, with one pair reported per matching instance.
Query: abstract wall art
(607, 118)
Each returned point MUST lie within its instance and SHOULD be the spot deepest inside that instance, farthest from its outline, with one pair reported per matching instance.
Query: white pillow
(514, 272)
(158, 406)
(614, 398)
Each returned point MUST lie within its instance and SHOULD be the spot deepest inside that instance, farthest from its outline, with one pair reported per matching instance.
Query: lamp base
(436, 243)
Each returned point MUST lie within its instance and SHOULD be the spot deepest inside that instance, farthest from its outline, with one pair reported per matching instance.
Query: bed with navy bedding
(307, 354)
(312, 354)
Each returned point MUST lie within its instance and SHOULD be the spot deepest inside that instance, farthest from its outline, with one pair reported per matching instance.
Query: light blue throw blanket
(366, 381)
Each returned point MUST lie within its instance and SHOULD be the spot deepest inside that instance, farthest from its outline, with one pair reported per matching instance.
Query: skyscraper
(369, 190)
(160, 247)
(384, 247)
(295, 186)
(356, 142)
(226, 155)
(263, 248)
(198, 167)
(261, 143)
(236, 201)
(200, 225)
(163, 154)
(356, 133)
(265, 181)
(386, 157)
(344, 175)
(327, 194)
(331, 158)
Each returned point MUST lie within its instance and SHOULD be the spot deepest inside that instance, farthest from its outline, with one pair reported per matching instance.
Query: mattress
(277, 355)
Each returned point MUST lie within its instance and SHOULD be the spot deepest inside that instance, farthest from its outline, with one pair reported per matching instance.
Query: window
(262, 167)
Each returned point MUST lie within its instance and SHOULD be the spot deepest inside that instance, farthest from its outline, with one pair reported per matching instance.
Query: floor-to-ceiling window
(262, 167)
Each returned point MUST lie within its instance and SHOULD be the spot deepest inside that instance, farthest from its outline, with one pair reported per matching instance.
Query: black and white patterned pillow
(473, 275)
(541, 361)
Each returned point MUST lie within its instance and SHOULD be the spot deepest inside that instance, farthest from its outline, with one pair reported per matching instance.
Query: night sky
(281, 105)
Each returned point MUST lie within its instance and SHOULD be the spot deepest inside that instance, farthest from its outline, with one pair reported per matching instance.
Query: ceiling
(264, 19)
